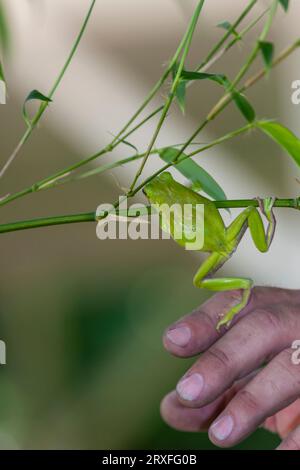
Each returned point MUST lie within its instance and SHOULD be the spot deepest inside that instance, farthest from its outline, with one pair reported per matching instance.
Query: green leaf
(33, 95)
(181, 95)
(2, 86)
(240, 100)
(283, 137)
(284, 4)
(181, 89)
(229, 27)
(4, 33)
(127, 143)
(267, 50)
(218, 78)
(244, 105)
(195, 173)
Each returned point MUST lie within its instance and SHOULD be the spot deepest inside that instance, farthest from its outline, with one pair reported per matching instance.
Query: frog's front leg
(203, 279)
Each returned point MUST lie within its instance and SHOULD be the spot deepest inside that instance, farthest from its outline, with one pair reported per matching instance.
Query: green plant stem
(277, 61)
(216, 109)
(154, 90)
(43, 183)
(226, 48)
(111, 166)
(208, 62)
(44, 105)
(51, 181)
(135, 157)
(46, 182)
(176, 82)
(92, 217)
(222, 41)
(109, 148)
(228, 97)
(48, 221)
(212, 144)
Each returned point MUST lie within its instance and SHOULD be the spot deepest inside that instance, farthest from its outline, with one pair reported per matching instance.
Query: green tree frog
(219, 241)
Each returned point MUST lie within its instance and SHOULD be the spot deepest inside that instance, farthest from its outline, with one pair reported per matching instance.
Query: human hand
(225, 392)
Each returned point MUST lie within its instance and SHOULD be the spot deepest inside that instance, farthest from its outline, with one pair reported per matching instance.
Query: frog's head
(158, 190)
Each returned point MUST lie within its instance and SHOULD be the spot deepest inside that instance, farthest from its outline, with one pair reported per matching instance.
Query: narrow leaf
(283, 137)
(244, 106)
(229, 27)
(181, 90)
(181, 95)
(33, 95)
(195, 173)
(129, 144)
(240, 100)
(284, 4)
(2, 86)
(218, 78)
(267, 50)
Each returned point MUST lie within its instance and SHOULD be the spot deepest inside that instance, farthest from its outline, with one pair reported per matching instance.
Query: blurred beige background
(120, 58)
(43, 271)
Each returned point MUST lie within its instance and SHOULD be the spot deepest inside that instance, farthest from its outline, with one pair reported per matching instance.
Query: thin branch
(92, 217)
(220, 140)
(175, 85)
(222, 52)
(212, 57)
(230, 31)
(227, 98)
(44, 105)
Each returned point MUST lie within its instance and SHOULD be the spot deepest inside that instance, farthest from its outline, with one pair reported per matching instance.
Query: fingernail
(222, 428)
(190, 388)
(180, 336)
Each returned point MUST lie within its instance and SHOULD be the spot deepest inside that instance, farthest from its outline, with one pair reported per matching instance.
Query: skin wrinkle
(250, 412)
(292, 444)
(248, 401)
(292, 370)
(229, 363)
(220, 356)
(264, 332)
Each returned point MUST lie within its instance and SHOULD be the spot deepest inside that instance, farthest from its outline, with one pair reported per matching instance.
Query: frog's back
(166, 190)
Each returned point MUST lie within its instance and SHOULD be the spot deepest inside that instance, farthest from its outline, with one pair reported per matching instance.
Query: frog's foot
(229, 316)
(266, 206)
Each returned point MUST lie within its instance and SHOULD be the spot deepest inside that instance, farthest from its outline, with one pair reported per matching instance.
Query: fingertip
(177, 339)
(179, 336)
(220, 431)
(181, 418)
(169, 411)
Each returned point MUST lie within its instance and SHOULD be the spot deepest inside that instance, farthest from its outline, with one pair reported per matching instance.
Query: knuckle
(265, 318)
(201, 319)
(247, 401)
(293, 442)
(207, 320)
(220, 358)
(285, 364)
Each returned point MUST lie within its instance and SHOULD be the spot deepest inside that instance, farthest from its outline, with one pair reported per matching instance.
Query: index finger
(196, 332)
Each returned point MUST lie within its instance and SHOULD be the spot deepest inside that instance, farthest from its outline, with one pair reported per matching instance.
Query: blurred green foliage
(102, 386)
(4, 31)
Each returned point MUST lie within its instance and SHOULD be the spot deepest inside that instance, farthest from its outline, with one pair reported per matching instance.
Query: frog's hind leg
(245, 285)
(251, 218)
(203, 279)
